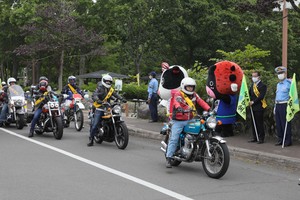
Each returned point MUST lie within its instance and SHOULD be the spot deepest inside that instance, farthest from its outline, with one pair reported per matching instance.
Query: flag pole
(254, 124)
(283, 141)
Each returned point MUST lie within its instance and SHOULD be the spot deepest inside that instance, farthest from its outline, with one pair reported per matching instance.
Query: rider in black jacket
(38, 92)
(103, 93)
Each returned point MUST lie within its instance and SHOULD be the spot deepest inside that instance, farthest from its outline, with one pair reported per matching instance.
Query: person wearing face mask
(257, 105)
(281, 100)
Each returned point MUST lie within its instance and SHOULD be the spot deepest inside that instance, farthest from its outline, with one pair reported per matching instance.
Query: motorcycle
(198, 142)
(113, 127)
(74, 112)
(17, 106)
(50, 119)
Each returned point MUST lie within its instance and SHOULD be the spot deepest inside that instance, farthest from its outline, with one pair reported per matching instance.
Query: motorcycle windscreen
(15, 91)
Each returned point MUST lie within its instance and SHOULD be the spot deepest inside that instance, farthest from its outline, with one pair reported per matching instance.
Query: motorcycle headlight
(211, 122)
(52, 105)
(117, 109)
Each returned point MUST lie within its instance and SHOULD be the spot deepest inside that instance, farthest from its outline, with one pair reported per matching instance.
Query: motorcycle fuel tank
(193, 127)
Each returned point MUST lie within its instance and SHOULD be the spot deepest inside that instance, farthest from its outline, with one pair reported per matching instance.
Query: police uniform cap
(280, 69)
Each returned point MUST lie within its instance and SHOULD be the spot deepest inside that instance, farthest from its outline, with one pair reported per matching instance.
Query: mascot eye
(211, 83)
(232, 77)
(232, 68)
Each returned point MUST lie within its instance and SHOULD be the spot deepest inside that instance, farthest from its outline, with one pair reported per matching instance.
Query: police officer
(281, 100)
(152, 96)
(4, 98)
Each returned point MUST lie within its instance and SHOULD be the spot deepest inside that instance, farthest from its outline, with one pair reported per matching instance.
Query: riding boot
(30, 133)
(91, 143)
(168, 163)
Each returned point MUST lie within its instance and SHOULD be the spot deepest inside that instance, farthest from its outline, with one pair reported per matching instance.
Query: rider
(184, 99)
(40, 89)
(3, 84)
(70, 89)
(4, 99)
(103, 93)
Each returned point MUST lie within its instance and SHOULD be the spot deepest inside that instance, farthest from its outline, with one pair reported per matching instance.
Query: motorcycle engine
(187, 148)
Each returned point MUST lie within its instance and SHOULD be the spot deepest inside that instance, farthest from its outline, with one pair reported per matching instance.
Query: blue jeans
(95, 121)
(4, 111)
(177, 128)
(36, 117)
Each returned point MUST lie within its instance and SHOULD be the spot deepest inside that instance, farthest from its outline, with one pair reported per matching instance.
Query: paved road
(45, 168)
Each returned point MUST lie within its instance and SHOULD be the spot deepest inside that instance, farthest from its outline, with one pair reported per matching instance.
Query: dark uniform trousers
(280, 117)
(259, 122)
(153, 107)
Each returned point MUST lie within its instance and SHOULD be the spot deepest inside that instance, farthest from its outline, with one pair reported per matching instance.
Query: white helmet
(187, 82)
(3, 83)
(107, 81)
(11, 79)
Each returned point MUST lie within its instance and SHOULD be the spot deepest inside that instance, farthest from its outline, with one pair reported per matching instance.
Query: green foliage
(133, 91)
(89, 87)
(199, 73)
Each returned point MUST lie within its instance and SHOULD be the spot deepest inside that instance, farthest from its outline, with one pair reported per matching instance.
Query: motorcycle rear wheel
(58, 128)
(20, 121)
(78, 120)
(217, 165)
(121, 136)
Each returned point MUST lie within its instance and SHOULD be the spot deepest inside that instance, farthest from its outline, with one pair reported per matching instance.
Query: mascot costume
(223, 83)
(169, 82)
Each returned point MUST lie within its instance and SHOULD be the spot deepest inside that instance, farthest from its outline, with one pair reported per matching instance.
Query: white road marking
(103, 167)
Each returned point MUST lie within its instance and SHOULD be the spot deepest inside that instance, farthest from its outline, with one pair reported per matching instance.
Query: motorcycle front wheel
(216, 165)
(121, 135)
(20, 121)
(58, 128)
(78, 120)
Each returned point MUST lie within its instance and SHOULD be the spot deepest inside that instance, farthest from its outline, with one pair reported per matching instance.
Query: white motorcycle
(17, 106)
(74, 112)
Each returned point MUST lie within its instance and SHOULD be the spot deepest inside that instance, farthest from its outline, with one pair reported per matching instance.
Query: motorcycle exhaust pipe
(207, 147)
(164, 150)
(164, 145)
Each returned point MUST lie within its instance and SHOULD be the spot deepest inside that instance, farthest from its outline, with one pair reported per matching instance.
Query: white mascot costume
(169, 81)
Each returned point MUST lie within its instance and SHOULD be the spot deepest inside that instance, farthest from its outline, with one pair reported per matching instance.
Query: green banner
(244, 99)
(293, 104)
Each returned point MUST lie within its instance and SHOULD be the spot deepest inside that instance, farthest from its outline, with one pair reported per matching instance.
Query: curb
(257, 157)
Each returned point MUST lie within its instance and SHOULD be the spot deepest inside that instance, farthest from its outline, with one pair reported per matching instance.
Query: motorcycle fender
(220, 139)
(81, 106)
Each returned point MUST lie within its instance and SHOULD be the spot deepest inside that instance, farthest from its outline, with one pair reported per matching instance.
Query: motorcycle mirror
(65, 96)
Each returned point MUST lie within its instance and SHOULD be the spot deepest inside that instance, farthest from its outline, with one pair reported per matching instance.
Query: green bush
(89, 87)
(133, 91)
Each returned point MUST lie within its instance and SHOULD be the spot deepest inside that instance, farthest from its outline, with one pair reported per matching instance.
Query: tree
(56, 33)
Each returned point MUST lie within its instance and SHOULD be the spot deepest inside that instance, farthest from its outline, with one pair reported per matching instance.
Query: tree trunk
(15, 67)
(2, 71)
(33, 72)
(82, 69)
(60, 75)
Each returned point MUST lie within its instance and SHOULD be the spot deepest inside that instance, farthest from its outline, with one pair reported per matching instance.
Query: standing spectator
(257, 105)
(152, 97)
(281, 100)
